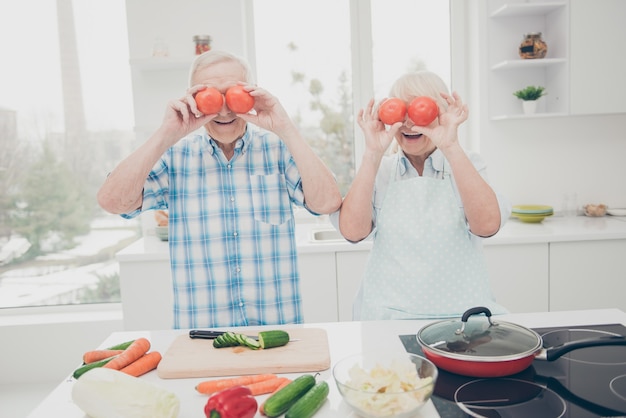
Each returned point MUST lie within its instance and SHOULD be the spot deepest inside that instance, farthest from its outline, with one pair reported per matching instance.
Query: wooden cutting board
(191, 357)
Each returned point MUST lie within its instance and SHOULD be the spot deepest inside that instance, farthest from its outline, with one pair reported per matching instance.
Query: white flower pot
(529, 106)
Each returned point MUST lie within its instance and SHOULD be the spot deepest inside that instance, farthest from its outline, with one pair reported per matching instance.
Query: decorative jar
(203, 43)
(533, 46)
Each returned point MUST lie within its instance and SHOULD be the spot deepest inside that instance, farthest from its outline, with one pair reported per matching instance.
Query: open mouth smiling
(222, 122)
(411, 135)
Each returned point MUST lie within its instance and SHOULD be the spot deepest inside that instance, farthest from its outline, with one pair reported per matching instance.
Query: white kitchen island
(345, 338)
(563, 263)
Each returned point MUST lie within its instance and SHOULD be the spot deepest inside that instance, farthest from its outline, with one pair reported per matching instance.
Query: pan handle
(555, 352)
(473, 311)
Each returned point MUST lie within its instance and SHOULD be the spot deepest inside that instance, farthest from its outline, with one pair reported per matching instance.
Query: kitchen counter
(553, 229)
(345, 338)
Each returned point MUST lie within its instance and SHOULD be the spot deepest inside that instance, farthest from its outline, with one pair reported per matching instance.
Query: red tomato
(391, 111)
(209, 100)
(239, 100)
(423, 110)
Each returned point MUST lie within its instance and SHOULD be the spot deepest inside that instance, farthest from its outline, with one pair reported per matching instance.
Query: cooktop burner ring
(618, 386)
(508, 397)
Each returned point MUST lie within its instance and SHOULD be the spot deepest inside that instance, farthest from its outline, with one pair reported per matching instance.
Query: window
(65, 106)
(313, 63)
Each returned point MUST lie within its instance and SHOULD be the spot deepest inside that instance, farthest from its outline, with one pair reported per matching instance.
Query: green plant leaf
(530, 93)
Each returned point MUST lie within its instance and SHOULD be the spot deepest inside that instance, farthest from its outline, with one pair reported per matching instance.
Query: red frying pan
(477, 347)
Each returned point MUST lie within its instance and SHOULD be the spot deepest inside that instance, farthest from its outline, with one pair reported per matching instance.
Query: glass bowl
(380, 385)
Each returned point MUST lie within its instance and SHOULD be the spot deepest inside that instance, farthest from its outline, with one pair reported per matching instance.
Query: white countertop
(345, 338)
(553, 229)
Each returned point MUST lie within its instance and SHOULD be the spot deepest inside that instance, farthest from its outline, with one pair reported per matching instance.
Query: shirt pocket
(270, 199)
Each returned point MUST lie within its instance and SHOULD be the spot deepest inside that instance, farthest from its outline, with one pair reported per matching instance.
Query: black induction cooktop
(585, 383)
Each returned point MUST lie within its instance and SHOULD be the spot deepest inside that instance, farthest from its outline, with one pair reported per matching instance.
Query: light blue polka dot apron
(423, 263)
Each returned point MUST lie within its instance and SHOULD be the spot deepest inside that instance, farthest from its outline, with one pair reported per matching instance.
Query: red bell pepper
(236, 402)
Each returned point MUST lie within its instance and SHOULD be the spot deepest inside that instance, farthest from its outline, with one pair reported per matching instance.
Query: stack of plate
(532, 213)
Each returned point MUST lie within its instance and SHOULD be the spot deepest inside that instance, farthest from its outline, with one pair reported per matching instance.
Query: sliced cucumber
(231, 339)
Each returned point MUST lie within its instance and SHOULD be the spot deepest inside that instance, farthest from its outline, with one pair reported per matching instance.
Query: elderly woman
(427, 206)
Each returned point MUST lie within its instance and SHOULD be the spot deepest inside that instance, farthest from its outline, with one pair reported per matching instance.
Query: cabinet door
(135, 278)
(519, 276)
(598, 63)
(318, 286)
(588, 275)
(350, 270)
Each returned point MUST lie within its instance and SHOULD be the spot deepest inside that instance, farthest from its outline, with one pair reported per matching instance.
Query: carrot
(266, 386)
(284, 383)
(137, 349)
(211, 386)
(97, 355)
(143, 365)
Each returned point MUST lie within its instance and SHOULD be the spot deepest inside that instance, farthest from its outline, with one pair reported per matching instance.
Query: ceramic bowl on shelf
(380, 385)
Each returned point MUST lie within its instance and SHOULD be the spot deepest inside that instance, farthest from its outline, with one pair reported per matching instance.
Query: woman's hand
(445, 133)
(377, 138)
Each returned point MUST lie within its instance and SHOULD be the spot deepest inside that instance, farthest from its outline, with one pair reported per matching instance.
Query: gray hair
(211, 57)
(420, 83)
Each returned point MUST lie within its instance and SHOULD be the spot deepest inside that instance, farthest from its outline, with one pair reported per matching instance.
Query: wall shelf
(533, 116)
(526, 9)
(527, 63)
(508, 72)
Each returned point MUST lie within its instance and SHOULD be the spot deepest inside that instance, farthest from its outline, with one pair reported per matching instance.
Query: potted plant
(529, 96)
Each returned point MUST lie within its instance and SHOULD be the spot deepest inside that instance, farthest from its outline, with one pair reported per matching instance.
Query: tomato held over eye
(209, 100)
(391, 111)
(423, 110)
(239, 100)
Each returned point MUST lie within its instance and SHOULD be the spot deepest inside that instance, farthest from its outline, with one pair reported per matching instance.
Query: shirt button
(235, 234)
(237, 269)
(229, 166)
(240, 304)
(232, 199)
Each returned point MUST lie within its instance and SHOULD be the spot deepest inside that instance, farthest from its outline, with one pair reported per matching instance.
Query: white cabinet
(588, 275)
(519, 276)
(146, 288)
(350, 271)
(597, 64)
(157, 80)
(318, 286)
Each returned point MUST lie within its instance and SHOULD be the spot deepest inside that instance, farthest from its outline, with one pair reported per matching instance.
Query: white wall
(536, 161)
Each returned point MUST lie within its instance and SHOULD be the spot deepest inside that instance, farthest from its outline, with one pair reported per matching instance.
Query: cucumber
(121, 346)
(85, 368)
(310, 402)
(281, 401)
(269, 339)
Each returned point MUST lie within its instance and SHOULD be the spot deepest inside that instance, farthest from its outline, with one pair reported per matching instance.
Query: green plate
(531, 218)
(533, 209)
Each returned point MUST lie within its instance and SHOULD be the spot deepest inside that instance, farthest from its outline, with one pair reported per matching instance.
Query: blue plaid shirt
(231, 230)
